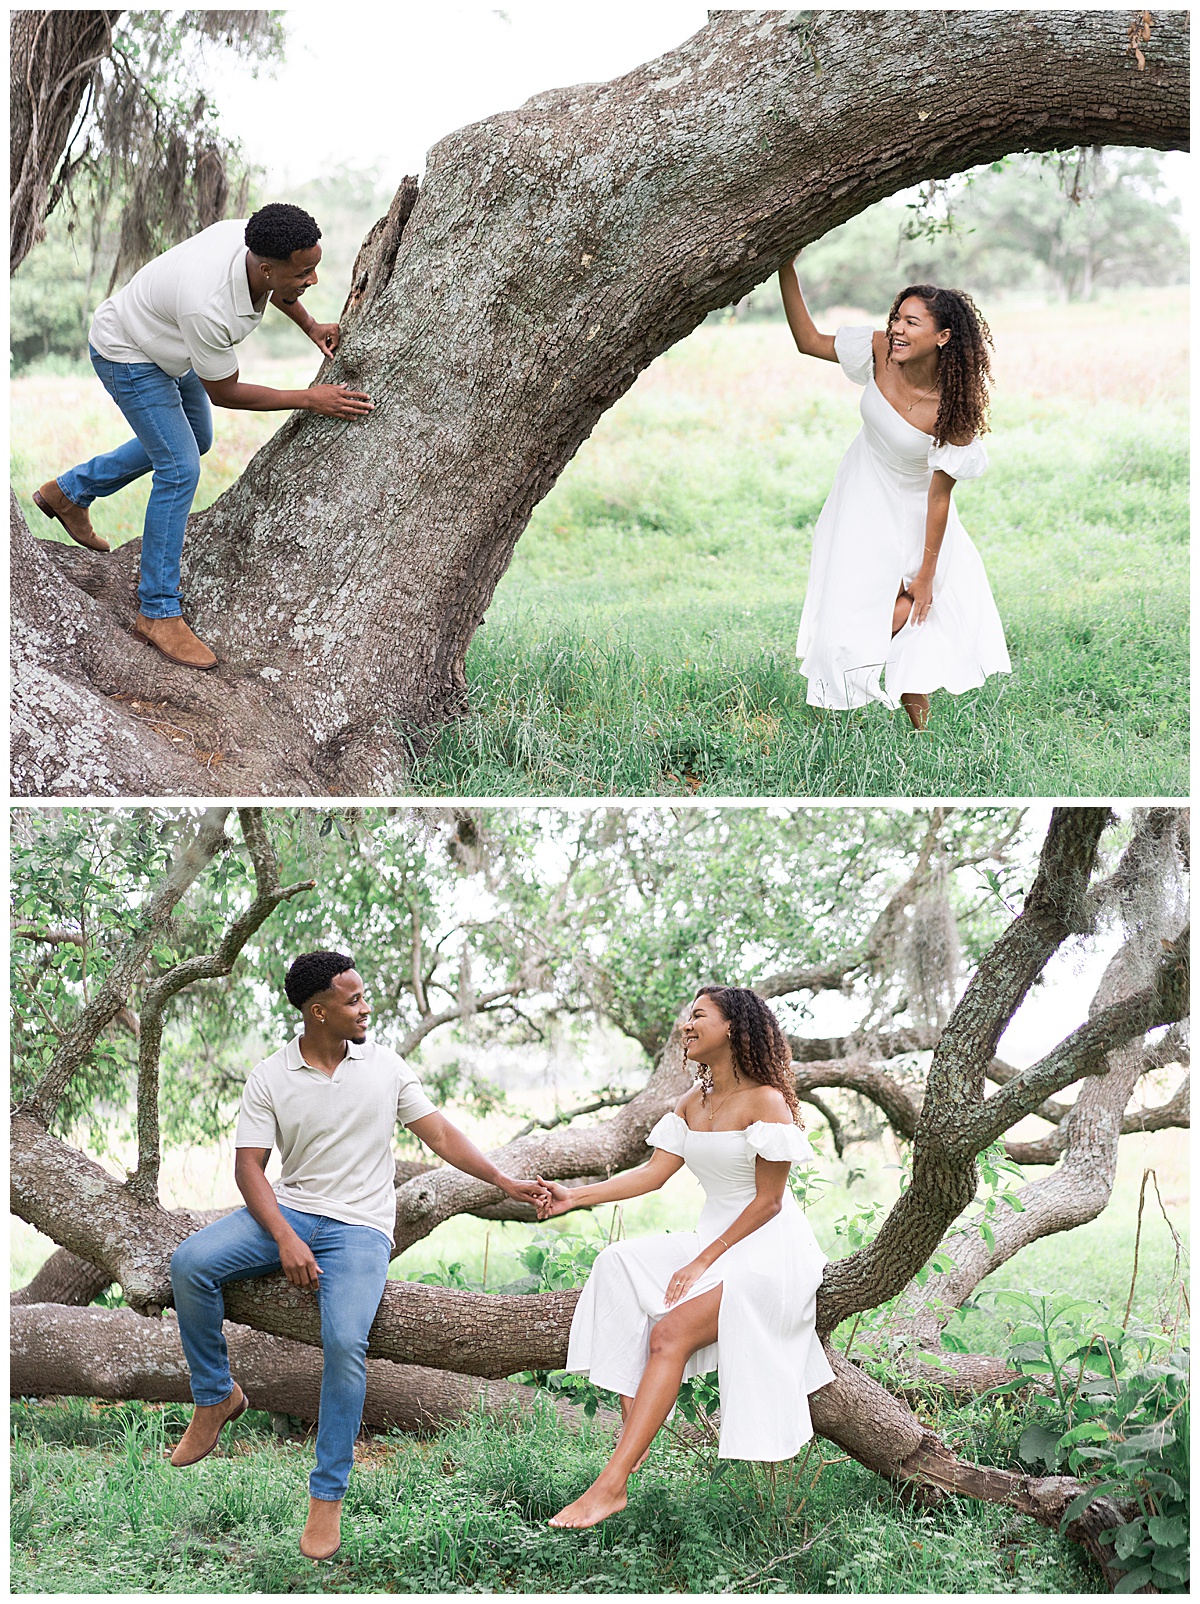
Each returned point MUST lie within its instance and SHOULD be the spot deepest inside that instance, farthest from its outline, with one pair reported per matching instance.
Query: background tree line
(1023, 225)
(147, 165)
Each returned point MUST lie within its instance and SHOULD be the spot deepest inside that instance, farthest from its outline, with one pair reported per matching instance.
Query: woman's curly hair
(964, 366)
(760, 1049)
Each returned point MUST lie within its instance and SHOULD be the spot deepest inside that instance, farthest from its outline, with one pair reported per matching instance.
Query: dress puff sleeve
(960, 462)
(669, 1134)
(778, 1142)
(855, 351)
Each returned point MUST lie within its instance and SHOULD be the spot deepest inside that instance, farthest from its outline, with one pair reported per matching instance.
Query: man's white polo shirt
(186, 309)
(334, 1132)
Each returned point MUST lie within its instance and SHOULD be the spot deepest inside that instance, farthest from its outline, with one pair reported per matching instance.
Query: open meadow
(642, 641)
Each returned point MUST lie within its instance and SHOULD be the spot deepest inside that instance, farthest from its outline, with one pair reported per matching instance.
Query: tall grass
(96, 1509)
(642, 641)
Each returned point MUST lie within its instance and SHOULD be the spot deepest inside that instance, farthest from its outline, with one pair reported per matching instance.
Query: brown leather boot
(199, 1440)
(173, 638)
(322, 1534)
(50, 500)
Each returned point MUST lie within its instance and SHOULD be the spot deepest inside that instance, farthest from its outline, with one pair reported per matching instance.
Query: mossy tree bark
(550, 255)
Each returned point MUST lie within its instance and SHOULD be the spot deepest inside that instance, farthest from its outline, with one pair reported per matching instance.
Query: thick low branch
(563, 1155)
(113, 992)
(114, 1353)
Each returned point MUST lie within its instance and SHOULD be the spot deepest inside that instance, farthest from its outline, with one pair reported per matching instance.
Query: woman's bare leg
(901, 608)
(626, 1406)
(917, 708)
(675, 1338)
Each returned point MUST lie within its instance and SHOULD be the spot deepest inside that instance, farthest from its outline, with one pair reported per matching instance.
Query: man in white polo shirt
(329, 1101)
(163, 347)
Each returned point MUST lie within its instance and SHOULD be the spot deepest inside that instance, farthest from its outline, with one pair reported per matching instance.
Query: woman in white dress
(738, 1294)
(898, 604)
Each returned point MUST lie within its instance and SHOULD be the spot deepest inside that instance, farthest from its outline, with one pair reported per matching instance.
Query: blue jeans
(354, 1263)
(172, 420)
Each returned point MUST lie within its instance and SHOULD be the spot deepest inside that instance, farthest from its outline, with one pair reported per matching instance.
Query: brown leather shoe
(199, 1440)
(322, 1534)
(50, 500)
(173, 638)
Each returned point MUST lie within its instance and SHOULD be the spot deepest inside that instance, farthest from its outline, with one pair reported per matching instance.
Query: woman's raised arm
(809, 339)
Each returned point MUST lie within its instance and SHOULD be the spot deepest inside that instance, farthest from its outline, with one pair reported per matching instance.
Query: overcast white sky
(369, 85)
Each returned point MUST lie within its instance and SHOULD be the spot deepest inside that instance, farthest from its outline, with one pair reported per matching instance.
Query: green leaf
(1132, 1580)
(1169, 1530)
(1085, 1499)
(1128, 1538)
(1037, 1445)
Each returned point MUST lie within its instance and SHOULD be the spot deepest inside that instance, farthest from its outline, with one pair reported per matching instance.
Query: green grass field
(642, 641)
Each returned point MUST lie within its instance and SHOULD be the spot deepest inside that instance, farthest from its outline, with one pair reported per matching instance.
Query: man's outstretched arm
(448, 1142)
(330, 400)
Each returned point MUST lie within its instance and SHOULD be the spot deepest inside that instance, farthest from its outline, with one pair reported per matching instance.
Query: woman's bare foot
(597, 1504)
(917, 708)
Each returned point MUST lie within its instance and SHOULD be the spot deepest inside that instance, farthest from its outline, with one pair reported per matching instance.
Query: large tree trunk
(553, 252)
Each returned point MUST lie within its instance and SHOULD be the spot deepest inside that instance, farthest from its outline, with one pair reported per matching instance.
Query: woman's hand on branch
(556, 1199)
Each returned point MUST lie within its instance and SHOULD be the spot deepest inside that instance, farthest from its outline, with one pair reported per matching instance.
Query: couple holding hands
(738, 1295)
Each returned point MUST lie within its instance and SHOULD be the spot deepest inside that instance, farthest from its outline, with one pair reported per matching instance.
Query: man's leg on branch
(235, 1248)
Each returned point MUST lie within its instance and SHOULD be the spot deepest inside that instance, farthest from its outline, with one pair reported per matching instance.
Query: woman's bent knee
(668, 1344)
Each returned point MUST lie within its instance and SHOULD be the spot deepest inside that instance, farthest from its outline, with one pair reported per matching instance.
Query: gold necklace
(712, 1113)
(922, 396)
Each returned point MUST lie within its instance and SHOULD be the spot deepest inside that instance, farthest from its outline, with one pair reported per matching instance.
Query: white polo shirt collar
(294, 1058)
(243, 303)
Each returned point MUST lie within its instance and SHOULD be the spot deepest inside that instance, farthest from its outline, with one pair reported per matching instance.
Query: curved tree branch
(944, 1175)
(113, 993)
(143, 1183)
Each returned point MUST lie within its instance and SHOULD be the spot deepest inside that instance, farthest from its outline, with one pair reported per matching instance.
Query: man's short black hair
(275, 231)
(312, 972)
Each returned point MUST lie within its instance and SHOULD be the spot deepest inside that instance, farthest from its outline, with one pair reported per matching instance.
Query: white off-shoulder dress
(869, 538)
(767, 1356)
